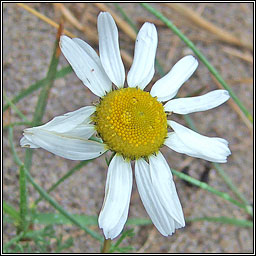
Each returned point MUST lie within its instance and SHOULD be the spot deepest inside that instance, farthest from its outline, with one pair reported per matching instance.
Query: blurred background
(223, 32)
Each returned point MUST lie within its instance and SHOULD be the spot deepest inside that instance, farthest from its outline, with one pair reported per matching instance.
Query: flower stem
(106, 245)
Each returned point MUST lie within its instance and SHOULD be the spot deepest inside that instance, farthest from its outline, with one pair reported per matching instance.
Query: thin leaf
(11, 211)
(43, 96)
(46, 196)
(205, 186)
(32, 88)
(59, 219)
(19, 113)
(23, 199)
(224, 220)
(191, 45)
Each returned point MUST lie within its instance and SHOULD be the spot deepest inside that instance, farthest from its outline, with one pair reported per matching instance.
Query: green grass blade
(187, 117)
(205, 186)
(43, 97)
(228, 181)
(50, 200)
(224, 220)
(46, 196)
(191, 45)
(23, 199)
(126, 18)
(67, 175)
(55, 218)
(86, 220)
(134, 27)
(12, 212)
(220, 171)
(16, 124)
(13, 241)
(19, 113)
(138, 221)
(14, 154)
(32, 88)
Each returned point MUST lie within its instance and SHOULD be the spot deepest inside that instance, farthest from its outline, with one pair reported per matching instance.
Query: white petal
(188, 142)
(26, 143)
(167, 87)
(85, 65)
(64, 146)
(109, 49)
(105, 81)
(83, 131)
(200, 103)
(118, 189)
(142, 69)
(165, 189)
(163, 221)
(68, 121)
(114, 232)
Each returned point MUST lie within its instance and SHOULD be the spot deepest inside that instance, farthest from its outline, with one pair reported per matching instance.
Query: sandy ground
(27, 49)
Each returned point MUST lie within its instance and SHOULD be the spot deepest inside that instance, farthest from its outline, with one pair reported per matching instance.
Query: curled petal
(186, 141)
(167, 87)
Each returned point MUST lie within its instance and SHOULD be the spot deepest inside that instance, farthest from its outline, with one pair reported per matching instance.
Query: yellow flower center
(131, 122)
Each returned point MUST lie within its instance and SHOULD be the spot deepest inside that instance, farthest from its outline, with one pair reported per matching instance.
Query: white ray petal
(188, 142)
(68, 121)
(106, 83)
(200, 103)
(167, 87)
(26, 143)
(114, 232)
(160, 217)
(142, 69)
(118, 188)
(64, 146)
(109, 49)
(86, 66)
(83, 131)
(165, 189)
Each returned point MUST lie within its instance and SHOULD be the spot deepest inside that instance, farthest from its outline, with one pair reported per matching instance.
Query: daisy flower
(132, 123)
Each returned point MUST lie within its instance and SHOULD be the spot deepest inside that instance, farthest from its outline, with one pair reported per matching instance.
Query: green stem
(23, 199)
(106, 246)
(191, 45)
(205, 186)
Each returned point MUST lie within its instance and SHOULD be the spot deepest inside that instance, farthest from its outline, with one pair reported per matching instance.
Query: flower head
(132, 123)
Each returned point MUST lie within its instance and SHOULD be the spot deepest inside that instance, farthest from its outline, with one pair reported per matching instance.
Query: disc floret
(131, 122)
